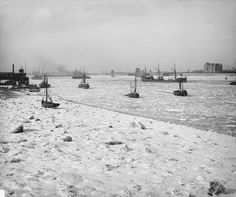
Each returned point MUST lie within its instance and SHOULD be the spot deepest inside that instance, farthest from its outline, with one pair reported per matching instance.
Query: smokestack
(13, 68)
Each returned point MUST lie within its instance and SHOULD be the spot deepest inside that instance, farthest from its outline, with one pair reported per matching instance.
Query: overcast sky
(100, 35)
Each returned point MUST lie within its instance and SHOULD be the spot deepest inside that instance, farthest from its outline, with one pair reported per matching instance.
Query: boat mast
(135, 83)
(25, 67)
(159, 71)
(84, 78)
(46, 89)
(46, 94)
(175, 71)
(180, 85)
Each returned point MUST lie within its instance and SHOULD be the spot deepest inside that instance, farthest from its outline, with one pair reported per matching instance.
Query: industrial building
(213, 67)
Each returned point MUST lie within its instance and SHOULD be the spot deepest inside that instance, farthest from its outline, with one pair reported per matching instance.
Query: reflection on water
(211, 104)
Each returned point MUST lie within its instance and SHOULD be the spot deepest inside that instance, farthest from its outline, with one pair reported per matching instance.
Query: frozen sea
(210, 106)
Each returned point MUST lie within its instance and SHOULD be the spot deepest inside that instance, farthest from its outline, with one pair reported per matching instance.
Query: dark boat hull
(133, 95)
(44, 85)
(34, 90)
(85, 86)
(232, 82)
(80, 77)
(180, 93)
(164, 80)
(48, 104)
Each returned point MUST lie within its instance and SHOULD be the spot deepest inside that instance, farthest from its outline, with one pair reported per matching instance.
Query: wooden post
(175, 71)
(180, 84)
(135, 83)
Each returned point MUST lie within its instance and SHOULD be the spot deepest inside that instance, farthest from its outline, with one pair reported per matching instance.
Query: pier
(12, 78)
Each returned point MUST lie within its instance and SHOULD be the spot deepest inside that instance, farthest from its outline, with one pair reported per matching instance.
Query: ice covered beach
(113, 152)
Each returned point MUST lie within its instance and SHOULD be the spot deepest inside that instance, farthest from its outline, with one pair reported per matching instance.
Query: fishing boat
(34, 88)
(47, 101)
(44, 83)
(83, 83)
(79, 75)
(133, 93)
(232, 82)
(148, 77)
(181, 91)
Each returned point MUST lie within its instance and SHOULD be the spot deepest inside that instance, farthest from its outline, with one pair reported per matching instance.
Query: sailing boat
(181, 91)
(44, 83)
(83, 83)
(133, 94)
(47, 102)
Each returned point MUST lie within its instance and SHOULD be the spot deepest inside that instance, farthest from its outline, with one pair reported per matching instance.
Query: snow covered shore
(111, 154)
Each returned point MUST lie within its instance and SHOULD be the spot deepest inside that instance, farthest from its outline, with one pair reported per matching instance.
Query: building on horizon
(213, 67)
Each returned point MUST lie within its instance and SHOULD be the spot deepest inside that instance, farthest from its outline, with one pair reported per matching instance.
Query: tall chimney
(13, 68)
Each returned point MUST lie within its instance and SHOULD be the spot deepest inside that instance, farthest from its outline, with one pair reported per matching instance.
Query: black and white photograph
(117, 98)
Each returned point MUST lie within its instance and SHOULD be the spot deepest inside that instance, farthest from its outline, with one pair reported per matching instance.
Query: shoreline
(143, 116)
(15, 94)
(163, 159)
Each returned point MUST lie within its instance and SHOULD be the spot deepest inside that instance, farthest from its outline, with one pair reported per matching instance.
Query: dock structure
(13, 78)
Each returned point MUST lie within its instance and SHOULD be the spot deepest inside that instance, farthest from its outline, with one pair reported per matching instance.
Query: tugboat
(83, 83)
(133, 94)
(48, 102)
(44, 83)
(34, 88)
(181, 91)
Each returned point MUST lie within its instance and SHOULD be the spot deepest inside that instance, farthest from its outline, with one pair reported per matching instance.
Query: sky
(100, 35)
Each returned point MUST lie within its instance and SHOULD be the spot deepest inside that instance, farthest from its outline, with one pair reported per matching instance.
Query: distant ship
(37, 75)
(232, 82)
(148, 77)
(79, 75)
(44, 83)
(113, 74)
(131, 74)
